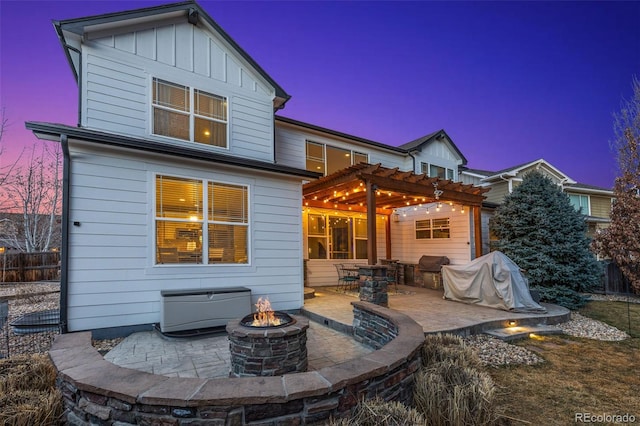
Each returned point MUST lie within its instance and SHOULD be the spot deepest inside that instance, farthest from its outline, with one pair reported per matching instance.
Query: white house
(180, 175)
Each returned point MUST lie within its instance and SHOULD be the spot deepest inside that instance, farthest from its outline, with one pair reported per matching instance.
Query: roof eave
(52, 132)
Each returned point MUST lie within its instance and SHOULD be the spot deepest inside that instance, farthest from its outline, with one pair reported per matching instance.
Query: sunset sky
(510, 82)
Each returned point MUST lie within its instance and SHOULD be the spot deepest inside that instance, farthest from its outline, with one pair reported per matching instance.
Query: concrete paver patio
(328, 337)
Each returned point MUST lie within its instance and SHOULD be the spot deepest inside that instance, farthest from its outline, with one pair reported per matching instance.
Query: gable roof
(514, 170)
(189, 10)
(417, 144)
(489, 175)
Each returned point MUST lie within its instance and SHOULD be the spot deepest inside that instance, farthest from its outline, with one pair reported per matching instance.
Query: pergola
(375, 189)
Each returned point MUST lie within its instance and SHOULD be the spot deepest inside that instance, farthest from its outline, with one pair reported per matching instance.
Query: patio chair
(346, 281)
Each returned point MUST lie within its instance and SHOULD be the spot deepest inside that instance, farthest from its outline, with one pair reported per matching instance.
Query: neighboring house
(592, 201)
(179, 175)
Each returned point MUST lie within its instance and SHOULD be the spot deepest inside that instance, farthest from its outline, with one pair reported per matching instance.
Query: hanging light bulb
(462, 211)
(428, 212)
(438, 207)
(453, 208)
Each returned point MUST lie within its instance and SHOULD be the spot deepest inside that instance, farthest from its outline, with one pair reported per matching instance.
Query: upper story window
(428, 229)
(328, 159)
(189, 114)
(580, 201)
(201, 222)
(432, 170)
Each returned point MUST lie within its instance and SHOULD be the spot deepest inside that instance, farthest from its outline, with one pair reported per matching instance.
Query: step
(309, 293)
(524, 331)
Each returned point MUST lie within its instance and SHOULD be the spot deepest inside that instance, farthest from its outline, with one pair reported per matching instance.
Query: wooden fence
(613, 282)
(27, 267)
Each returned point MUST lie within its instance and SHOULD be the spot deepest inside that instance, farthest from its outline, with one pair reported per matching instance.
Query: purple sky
(510, 82)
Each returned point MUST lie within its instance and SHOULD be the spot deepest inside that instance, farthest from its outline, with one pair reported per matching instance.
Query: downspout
(414, 161)
(64, 260)
(79, 81)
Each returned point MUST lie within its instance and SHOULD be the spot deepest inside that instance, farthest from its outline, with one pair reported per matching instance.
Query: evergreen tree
(538, 228)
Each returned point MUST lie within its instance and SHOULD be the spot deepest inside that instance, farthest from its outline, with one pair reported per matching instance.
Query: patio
(427, 308)
(329, 340)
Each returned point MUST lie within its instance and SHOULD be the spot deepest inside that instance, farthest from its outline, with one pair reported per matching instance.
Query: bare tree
(621, 241)
(33, 192)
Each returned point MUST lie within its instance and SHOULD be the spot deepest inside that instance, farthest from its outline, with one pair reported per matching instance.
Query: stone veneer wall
(98, 392)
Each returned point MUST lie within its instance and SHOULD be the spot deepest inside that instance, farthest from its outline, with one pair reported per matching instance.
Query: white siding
(118, 70)
(406, 248)
(440, 154)
(112, 279)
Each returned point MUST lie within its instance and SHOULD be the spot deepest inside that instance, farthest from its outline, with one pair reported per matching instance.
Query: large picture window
(429, 229)
(336, 237)
(201, 222)
(328, 159)
(189, 114)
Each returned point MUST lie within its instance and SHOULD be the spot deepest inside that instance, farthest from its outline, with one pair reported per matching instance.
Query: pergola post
(477, 229)
(371, 223)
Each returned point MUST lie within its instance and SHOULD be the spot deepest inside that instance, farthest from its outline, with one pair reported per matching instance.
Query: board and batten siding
(117, 77)
(408, 249)
(440, 154)
(112, 277)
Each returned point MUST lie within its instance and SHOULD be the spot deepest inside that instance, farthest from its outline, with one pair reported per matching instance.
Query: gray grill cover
(432, 263)
(492, 280)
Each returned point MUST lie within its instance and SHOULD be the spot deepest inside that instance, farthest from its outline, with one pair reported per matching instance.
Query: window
(336, 237)
(428, 229)
(431, 170)
(329, 159)
(360, 226)
(580, 202)
(189, 114)
(183, 222)
(317, 238)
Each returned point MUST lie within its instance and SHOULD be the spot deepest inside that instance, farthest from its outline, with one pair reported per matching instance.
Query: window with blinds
(187, 232)
(189, 114)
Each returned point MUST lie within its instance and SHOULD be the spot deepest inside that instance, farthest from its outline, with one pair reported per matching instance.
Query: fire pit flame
(265, 316)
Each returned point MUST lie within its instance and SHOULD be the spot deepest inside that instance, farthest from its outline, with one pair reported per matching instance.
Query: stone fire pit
(265, 349)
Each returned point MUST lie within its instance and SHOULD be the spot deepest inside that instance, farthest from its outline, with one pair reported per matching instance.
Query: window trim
(327, 236)
(588, 209)
(204, 222)
(190, 113)
(425, 168)
(431, 228)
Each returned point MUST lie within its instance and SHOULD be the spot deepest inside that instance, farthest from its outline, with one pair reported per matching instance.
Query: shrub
(28, 395)
(563, 296)
(449, 394)
(447, 347)
(377, 412)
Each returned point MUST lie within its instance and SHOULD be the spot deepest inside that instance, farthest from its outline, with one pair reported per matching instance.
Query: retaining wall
(98, 392)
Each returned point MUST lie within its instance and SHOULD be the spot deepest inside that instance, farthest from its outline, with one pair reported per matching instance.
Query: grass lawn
(578, 375)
